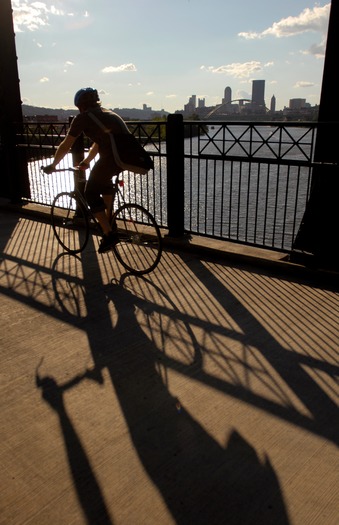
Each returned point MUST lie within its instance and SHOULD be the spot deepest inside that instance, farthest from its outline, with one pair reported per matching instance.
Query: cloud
(317, 50)
(43, 80)
(238, 69)
(304, 84)
(32, 15)
(309, 20)
(243, 94)
(119, 69)
(315, 19)
(68, 64)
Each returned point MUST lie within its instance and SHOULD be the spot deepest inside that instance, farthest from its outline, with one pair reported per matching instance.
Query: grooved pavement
(204, 393)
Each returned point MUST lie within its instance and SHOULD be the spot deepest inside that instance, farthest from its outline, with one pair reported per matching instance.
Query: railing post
(175, 175)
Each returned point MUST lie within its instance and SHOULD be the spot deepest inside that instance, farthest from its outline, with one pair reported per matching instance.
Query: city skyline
(257, 97)
(156, 54)
(227, 106)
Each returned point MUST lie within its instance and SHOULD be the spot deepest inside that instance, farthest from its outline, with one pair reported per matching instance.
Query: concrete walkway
(205, 393)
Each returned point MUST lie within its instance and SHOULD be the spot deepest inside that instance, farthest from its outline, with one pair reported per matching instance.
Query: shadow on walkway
(199, 480)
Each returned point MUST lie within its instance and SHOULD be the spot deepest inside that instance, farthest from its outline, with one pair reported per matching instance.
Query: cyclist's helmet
(86, 96)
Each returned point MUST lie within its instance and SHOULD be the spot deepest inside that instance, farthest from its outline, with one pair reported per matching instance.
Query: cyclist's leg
(108, 200)
(100, 184)
(102, 219)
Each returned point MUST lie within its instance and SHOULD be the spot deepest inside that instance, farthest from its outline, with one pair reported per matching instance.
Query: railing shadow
(322, 410)
(200, 480)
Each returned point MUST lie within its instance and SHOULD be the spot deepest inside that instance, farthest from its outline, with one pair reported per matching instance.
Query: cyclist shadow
(200, 480)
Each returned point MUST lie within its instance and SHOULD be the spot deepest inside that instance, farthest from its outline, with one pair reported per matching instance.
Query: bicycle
(139, 247)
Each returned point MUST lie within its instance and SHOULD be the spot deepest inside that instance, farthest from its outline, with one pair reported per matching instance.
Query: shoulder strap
(98, 121)
(111, 136)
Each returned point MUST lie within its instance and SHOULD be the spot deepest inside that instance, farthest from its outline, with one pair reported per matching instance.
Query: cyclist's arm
(63, 149)
(94, 150)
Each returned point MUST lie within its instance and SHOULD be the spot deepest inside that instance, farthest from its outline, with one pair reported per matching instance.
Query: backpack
(127, 151)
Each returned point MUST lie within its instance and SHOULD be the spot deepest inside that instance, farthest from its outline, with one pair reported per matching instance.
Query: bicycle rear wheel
(70, 222)
(140, 245)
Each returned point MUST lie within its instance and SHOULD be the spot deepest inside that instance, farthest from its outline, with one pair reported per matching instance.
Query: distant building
(227, 96)
(298, 103)
(299, 109)
(273, 104)
(258, 94)
(189, 108)
(41, 118)
(146, 113)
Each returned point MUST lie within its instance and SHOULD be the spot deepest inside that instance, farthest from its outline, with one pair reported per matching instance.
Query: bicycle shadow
(87, 487)
(26, 278)
(199, 480)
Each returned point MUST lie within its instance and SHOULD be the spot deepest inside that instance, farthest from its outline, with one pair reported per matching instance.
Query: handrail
(244, 182)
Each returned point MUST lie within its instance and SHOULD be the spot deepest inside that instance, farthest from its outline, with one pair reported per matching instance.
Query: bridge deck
(202, 394)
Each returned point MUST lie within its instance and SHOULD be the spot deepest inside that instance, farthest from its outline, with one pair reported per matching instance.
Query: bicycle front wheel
(70, 222)
(140, 244)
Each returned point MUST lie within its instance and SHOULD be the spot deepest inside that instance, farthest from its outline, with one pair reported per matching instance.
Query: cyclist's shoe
(108, 242)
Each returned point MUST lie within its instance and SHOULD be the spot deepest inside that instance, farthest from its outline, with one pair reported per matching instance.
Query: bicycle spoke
(140, 246)
(70, 222)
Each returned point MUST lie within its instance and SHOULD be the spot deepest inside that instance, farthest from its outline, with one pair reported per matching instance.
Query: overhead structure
(13, 175)
(319, 231)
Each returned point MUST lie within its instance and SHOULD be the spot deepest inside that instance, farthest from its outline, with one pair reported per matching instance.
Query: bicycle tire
(140, 244)
(70, 222)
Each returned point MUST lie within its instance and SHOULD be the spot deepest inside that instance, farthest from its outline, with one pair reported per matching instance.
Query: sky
(160, 52)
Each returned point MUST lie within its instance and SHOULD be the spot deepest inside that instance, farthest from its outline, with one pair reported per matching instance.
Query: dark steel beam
(319, 231)
(13, 176)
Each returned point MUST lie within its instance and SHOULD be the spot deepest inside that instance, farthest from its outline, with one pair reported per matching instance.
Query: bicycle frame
(117, 184)
(139, 244)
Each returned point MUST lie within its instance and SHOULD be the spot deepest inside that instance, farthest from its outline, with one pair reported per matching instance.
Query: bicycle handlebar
(62, 169)
(78, 170)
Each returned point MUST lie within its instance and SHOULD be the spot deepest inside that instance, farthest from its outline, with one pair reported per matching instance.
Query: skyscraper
(258, 93)
(273, 101)
(227, 96)
(189, 108)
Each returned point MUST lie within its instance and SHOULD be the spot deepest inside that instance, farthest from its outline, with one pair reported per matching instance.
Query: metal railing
(40, 141)
(245, 182)
(249, 182)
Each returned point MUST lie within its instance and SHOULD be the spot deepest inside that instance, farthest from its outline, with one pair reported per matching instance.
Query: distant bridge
(218, 109)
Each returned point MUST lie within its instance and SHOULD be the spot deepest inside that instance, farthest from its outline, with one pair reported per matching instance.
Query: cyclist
(99, 190)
